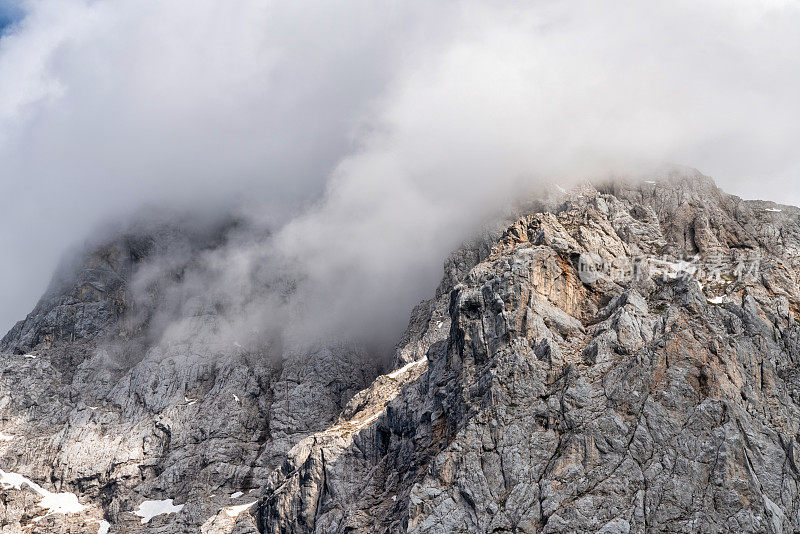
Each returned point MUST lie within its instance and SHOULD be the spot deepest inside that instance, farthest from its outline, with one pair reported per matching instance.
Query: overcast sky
(378, 125)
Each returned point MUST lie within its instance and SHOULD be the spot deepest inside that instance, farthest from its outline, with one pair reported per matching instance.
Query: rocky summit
(623, 357)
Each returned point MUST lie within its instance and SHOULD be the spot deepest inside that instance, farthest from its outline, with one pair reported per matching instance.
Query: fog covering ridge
(357, 145)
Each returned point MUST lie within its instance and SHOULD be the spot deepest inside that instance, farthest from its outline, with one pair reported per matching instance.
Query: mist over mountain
(355, 127)
(611, 358)
(285, 267)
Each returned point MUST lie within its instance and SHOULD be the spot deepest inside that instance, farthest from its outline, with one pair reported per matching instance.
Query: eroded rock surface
(622, 359)
(626, 363)
(96, 407)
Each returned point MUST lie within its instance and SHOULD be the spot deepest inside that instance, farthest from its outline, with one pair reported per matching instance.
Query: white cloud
(403, 126)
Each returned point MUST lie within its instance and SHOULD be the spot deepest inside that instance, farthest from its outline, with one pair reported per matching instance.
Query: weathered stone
(621, 404)
(661, 393)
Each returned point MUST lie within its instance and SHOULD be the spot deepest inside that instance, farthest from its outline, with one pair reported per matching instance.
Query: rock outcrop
(96, 408)
(621, 359)
(627, 363)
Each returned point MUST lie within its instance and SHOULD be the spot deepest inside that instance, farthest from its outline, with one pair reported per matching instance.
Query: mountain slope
(627, 364)
(620, 358)
(94, 404)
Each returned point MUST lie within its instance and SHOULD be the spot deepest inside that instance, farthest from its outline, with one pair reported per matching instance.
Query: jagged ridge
(622, 359)
(619, 365)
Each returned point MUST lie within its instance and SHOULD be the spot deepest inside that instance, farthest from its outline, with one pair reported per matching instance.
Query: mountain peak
(621, 358)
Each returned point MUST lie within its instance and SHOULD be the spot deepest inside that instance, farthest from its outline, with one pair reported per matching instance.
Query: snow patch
(407, 367)
(104, 526)
(54, 503)
(773, 210)
(234, 511)
(5, 437)
(29, 356)
(236, 495)
(722, 299)
(149, 509)
(369, 420)
(357, 423)
(62, 503)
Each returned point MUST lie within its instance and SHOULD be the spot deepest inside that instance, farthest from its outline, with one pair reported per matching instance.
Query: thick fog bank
(360, 143)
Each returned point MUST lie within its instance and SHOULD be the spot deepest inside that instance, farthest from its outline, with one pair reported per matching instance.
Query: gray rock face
(651, 388)
(79, 305)
(94, 408)
(621, 360)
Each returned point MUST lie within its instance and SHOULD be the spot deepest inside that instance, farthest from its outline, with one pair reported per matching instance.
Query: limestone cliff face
(621, 359)
(95, 408)
(82, 301)
(627, 363)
